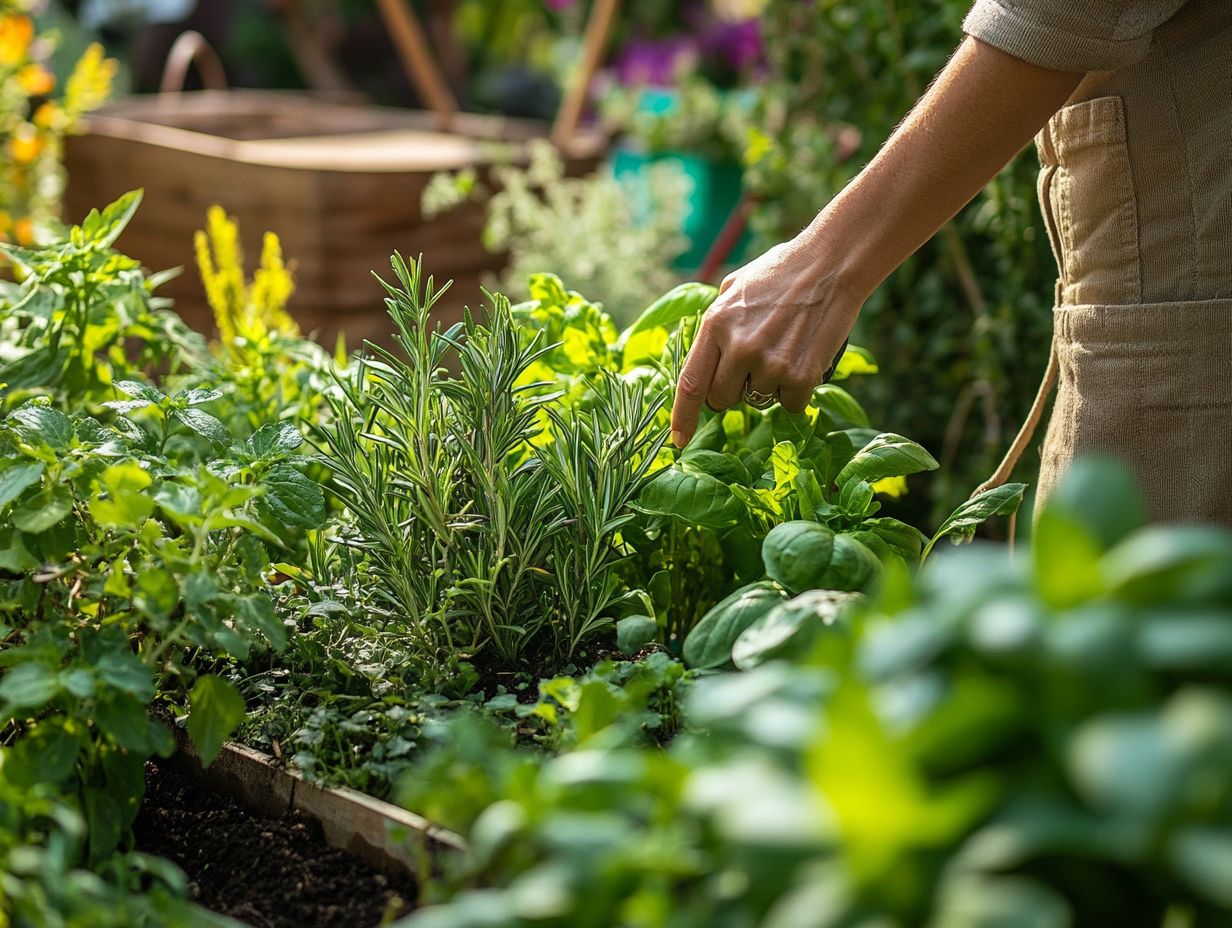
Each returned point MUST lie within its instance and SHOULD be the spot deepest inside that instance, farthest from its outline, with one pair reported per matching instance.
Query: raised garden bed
(268, 872)
(262, 845)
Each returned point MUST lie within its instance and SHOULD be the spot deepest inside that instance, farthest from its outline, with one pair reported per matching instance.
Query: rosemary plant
(486, 510)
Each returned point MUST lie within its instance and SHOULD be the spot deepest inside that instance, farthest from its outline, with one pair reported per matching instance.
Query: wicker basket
(340, 184)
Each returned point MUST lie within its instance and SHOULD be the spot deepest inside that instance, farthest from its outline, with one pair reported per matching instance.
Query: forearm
(984, 107)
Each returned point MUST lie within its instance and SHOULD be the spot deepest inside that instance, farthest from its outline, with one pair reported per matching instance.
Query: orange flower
(16, 32)
(46, 115)
(25, 147)
(36, 80)
(23, 231)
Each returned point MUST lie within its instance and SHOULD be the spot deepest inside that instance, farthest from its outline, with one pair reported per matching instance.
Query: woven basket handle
(189, 49)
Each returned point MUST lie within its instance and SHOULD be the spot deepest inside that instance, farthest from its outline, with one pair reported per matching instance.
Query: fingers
(795, 397)
(694, 386)
(729, 382)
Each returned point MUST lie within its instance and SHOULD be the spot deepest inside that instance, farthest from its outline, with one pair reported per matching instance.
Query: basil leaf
(709, 644)
(139, 391)
(681, 302)
(274, 439)
(725, 467)
(887, 455)
(204, 425)
(696, 499)
(43, 510)
(842, 408)
(999, 501)
(42, 425)
(16, 477)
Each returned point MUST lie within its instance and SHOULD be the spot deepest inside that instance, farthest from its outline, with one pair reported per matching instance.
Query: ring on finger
(757, 399)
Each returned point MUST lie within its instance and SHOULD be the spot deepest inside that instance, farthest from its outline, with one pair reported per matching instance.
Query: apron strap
(1027, 432)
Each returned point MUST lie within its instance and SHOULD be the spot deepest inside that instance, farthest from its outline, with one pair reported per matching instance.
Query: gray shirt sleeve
(1070, 35)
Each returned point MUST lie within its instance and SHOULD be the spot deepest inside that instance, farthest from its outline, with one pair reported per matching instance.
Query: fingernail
(678, 439)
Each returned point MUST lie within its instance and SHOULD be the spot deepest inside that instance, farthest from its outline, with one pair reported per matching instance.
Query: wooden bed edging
(379, 833)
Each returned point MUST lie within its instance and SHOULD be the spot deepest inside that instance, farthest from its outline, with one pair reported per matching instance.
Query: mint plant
(135, 542)
(83, 314)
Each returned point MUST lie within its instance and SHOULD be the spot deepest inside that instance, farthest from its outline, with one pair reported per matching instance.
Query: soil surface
(267, 872)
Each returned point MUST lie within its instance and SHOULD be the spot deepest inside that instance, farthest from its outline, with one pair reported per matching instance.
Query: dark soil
(268, 872)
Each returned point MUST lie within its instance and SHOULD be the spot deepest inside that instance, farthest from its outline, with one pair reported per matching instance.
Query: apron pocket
(1089, 202)
(1152, 385)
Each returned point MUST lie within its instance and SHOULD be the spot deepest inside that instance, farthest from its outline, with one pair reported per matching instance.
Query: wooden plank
(377, 832)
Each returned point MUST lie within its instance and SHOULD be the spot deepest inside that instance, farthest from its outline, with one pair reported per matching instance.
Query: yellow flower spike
(89, 85)
(243, 313)
(272, 286)
(36, 80)
(16, 33)
(215, 292)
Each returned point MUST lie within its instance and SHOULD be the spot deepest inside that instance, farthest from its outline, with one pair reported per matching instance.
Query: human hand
(774, 329)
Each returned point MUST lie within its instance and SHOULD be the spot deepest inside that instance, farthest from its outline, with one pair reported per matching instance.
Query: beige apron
(1136, 190)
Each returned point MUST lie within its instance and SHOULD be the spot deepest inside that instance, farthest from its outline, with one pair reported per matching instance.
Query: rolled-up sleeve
(1070, 35)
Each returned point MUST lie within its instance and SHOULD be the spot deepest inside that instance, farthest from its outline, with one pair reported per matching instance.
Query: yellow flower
(272, 286)
(242, 312)
(759, 145)
(36, 80)
(16, 32)
(90, 83)
(6, 225)
(25, 147)
(47, 115)
(23, 231)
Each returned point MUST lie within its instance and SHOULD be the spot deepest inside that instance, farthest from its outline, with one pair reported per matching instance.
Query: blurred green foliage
(1041, 742)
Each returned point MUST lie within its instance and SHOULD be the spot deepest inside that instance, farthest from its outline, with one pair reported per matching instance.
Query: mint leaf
(215, 711)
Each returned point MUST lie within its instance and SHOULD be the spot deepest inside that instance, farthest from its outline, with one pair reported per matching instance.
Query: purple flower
(738, 44)
(655, 62)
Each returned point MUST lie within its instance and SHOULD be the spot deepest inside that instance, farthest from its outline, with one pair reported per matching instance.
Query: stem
(156, 655)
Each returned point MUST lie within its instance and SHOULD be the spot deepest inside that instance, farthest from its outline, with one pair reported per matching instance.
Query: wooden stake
(421, 68)
(593, 43)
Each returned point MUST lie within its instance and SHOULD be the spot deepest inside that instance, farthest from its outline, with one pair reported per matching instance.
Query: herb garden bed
(368, 563)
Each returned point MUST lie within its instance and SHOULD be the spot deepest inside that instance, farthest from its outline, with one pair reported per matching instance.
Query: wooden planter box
(340, 184)
(379, 833)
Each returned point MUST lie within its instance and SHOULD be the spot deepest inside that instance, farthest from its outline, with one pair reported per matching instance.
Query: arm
(780, 319)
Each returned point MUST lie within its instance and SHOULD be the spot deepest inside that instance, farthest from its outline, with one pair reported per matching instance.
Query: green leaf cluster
(137, 533)
(995, 743)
